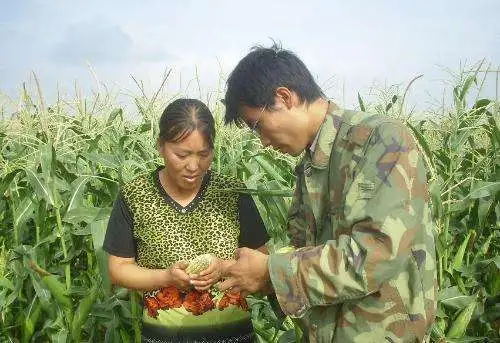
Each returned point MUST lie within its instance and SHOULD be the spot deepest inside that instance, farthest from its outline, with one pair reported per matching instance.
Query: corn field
(61, 167)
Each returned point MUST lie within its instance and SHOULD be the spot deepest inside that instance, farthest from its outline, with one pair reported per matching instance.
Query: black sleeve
(119, 240)
(253, 233)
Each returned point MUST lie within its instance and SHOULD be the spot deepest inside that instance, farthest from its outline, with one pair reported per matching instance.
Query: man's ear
(285, 96)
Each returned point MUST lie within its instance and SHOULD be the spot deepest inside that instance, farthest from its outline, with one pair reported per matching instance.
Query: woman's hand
(215, 271)
(178, 277)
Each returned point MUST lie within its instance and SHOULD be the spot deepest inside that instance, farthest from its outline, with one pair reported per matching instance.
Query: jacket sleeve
(372, 240)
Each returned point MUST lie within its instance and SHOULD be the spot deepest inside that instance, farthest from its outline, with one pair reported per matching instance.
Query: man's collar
(321, 147)
(315, 141)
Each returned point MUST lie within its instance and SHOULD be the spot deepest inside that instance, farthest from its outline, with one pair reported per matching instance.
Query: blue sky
(348, 46)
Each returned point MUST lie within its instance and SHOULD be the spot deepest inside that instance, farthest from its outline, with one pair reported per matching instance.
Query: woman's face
(187, 161)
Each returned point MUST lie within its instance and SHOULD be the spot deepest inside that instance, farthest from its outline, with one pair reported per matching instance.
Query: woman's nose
(192, 165)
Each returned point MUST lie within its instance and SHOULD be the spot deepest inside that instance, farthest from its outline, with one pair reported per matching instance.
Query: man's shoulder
(367, 119)
(376, 127)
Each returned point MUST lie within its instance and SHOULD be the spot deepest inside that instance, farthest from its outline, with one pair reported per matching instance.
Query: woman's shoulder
(139, 183)
(225, 181)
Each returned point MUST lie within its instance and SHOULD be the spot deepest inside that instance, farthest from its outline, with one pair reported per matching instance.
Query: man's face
(282, 128)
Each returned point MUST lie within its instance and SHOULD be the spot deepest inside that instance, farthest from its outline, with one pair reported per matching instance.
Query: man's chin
(288, 150)
(292, 152)
(281, 150)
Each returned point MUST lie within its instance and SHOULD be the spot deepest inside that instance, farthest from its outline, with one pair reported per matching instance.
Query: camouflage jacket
(364, 268)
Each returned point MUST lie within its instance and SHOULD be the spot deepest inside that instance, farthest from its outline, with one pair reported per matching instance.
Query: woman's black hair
(183, 116)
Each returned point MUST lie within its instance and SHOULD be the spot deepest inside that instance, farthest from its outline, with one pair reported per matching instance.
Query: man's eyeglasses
(254, 130)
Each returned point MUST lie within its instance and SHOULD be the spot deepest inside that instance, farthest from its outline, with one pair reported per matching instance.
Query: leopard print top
(166, 233)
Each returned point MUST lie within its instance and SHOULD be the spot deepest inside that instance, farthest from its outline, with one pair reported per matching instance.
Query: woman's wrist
(166, 276)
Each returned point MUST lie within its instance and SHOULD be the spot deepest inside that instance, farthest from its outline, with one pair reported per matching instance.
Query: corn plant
(464, 172)
(62, 167)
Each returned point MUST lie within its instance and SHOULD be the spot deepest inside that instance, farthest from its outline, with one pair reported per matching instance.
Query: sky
(349, 46)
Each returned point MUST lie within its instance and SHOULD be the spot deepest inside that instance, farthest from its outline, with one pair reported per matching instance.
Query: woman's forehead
(194, 140)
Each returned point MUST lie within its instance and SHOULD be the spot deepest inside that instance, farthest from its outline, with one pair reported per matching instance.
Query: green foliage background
(61, 168)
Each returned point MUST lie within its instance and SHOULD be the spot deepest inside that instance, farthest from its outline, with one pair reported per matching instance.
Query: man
(364, 265)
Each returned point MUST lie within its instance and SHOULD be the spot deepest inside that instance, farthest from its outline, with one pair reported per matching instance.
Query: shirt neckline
(319, 156)
(170, 201)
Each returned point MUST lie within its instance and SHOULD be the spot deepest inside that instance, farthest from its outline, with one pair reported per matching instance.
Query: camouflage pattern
(364, 268)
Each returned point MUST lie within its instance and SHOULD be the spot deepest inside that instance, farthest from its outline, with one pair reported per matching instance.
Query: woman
(180, 211)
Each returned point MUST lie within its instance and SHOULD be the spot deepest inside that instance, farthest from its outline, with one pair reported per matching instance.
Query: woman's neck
(181, 195)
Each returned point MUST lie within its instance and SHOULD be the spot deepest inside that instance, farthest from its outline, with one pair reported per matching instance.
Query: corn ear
(486, 245)
(437, 334)
(458, 261)
(457, 329)
(472, 240)
(57, 290)
(30, 323)
(441, 324)
(82, 313)
(199, 264)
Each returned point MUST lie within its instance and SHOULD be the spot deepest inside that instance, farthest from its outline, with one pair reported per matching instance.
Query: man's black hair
(257, 76)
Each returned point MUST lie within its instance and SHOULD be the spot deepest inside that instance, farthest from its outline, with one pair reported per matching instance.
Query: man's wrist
(268, 285)
(225, 265)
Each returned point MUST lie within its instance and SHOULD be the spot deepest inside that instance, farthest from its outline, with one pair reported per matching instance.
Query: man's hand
(249, 274)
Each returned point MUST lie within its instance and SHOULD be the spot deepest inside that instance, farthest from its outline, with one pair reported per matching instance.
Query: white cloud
(355, 43)
(95, 42)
